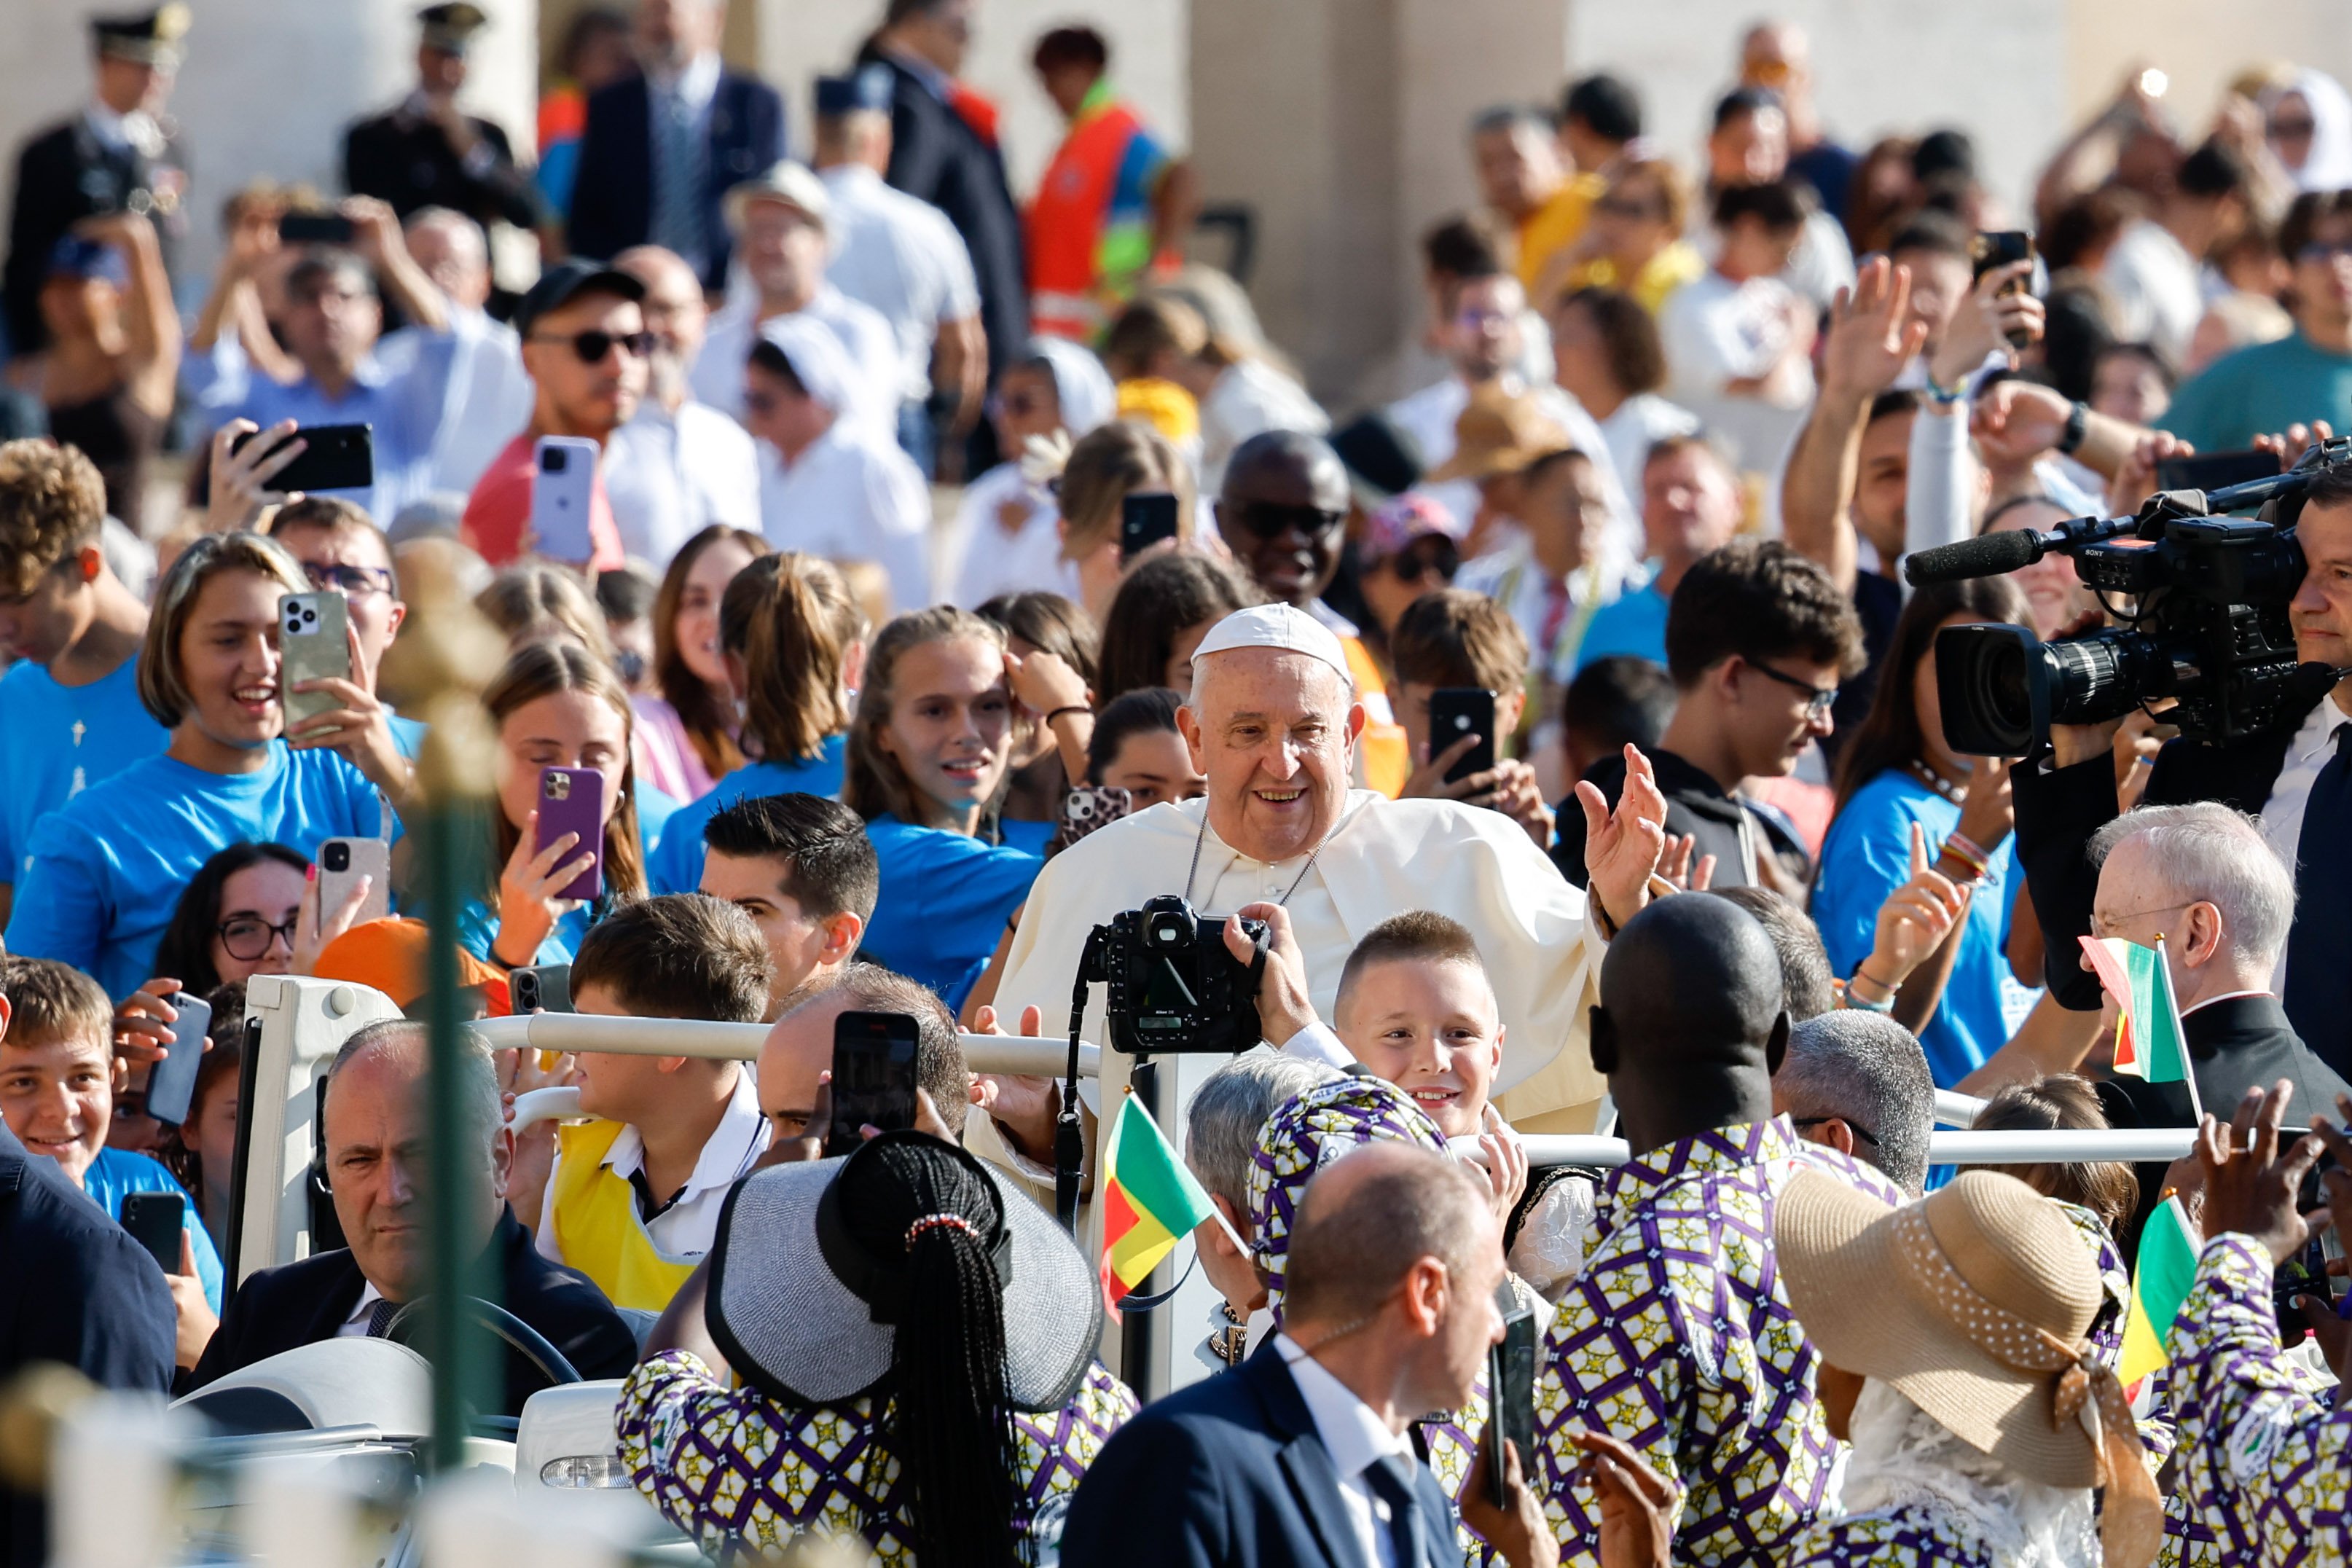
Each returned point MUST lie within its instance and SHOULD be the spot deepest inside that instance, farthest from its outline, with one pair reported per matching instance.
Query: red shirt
(499, 512)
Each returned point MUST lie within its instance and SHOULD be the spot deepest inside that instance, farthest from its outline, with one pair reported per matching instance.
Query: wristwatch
(2078, 424)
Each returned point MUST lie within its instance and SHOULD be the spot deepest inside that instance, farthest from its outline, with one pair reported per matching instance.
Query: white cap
(791, 183)
(1277, 626)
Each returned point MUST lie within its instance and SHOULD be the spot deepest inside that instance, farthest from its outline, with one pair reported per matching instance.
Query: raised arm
(1870, 339)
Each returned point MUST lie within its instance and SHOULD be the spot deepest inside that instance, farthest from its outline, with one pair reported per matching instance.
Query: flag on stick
(2150, 1043)
(1149, 1201)
(2166, 1268)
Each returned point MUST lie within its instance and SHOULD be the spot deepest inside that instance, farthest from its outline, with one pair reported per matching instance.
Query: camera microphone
(1988, 555)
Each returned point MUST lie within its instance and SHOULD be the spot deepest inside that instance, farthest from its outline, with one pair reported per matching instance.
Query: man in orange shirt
(585, 345)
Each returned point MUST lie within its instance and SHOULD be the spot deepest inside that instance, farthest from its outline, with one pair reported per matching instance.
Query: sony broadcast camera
(2206, 623)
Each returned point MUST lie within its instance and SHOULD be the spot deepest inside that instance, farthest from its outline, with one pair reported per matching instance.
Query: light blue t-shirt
(1634, 623)
(119, 1171)
(107, 867)
(656, 807)
(1867, 856)
(944, 899)
(407, 734)
(2259, 390)
(676, 864)
(477, 927)
(57, 741)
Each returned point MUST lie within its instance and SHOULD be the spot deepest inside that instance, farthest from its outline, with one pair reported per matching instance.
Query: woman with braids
(795, 643)
(914, 1344)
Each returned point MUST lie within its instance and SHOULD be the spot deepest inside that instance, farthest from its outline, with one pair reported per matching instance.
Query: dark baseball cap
(567, 281)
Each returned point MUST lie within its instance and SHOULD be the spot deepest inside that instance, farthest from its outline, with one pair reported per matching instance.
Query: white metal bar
(740, 1042)
(545, 1105)
(1954, 1108)
(2129, 1145)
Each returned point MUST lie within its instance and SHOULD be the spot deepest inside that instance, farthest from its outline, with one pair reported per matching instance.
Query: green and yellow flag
(1149, 1201)
(2166, 1268)
(2150, 1043)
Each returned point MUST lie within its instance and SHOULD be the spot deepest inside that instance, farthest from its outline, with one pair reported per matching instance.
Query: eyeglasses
(1818, 699)
(2104, 926)
(592, 346)
(248, 937)
(2291, 130)
(1857, 1128)
(355, 581)
(1269, 519)
(2323, 250)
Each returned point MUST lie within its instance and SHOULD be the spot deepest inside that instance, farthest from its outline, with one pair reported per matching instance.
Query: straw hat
(1973, 1304)
(1499, 432)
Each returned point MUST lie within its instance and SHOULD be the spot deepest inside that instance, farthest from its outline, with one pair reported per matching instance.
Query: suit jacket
(73, 1289)
(406, 160)
(301, 1303)
(2234, 1045)
(63, 175)
(936, 155)
(1229, 1472)
(613, 200)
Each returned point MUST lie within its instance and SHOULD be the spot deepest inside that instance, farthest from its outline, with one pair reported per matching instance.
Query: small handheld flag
(2166, 1268)
(1150, 1202)
(2149, 1041)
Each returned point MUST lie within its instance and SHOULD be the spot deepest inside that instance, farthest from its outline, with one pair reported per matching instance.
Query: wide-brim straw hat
(792, 1328)
(1499, 432)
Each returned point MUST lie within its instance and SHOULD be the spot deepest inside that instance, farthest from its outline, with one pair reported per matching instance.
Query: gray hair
(2206, 852)
(1805, 977)
(463, 234)
(478, 1079)
(1511, 117)
(1868, 1071)
(1222, 1126)
(1201, 675)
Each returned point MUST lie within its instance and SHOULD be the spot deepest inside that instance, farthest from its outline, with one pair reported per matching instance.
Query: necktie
(380, 1317)
(2319, 947)
(677, 183)
(1391, 1478)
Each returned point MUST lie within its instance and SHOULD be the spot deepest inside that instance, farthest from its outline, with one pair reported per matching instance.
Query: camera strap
(1069, 1131)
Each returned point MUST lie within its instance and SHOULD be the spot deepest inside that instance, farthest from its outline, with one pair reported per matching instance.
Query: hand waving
(1622, 848)
(1872, 336)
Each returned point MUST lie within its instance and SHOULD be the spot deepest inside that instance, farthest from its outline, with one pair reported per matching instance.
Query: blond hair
(873, 783)
(1109, 464)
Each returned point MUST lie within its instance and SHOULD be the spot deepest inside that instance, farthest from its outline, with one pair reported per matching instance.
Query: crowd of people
(957, 578)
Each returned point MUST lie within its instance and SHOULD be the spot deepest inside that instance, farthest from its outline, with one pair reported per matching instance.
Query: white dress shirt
(485, 395)
(2282, 814)
(669, 476)
(899, 256)
(355, 1327)
(853, 496)
(1356, 1440)
(716, 378)
(688, 1226)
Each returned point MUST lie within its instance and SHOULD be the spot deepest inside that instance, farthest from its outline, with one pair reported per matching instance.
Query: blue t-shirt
(57, 741)
(1867, 856)
(118, 1171)
(675, 865)
(108, 867)
(656, 807)
(2260, 390)
(1632, 623)
(477, 927)
(407, 734)
(944, 899)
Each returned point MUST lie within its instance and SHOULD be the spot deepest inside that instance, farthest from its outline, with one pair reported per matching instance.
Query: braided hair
(924, 1211)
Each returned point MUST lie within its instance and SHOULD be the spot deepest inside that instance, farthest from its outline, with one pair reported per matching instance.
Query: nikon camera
(1175, 987)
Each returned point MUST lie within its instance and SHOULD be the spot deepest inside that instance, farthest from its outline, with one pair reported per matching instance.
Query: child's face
(1430, 1029)
(613, 1085)
(57, 1097)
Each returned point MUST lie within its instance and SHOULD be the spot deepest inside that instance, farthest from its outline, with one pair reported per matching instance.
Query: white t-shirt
(988, 559)
(1716, 332)
(853, 496)
(669, 476)
(1249, 398)
(2156, 287)
(900, 255)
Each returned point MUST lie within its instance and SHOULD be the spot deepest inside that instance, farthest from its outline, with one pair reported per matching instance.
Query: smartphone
(342, 863)
(541, 988)
(1144, 519)
(1458, 710)
(562, 488)
(333, 458)
(1999, 248)
(2215, 471)
(313, 641)
(1511, 1393)
(874, 1058)
(571, 800)
(172, 1082)
(315, 228)
(157, 1221)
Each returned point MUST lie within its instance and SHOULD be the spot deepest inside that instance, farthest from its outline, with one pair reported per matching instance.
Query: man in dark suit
(2297, 777)
(372, 1129)
(118, 155)
(77, 1290)
(427, 153)
(1300, 1456)
(662, 148)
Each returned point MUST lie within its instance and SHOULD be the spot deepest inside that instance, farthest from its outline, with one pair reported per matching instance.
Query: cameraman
(2295, 777)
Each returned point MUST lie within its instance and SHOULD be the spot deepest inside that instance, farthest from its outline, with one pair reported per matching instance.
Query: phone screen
(1511, 1391)
(172, 1082)
(1145, 520)
(156, 1221)
(874, 1075)
(1458, 710)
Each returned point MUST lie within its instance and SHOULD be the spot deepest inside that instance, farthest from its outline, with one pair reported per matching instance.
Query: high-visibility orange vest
(1067, 218)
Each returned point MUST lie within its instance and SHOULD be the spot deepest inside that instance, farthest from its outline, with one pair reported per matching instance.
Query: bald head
(450, 248)
(799, 1045)
(674, 308)
(1692, 1020)
(1369, 1217)
(1282, 513)
(1287, 466)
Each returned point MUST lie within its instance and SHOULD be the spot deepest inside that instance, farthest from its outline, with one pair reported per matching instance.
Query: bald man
(678, 465)
(484, 394)
(1678, 1336)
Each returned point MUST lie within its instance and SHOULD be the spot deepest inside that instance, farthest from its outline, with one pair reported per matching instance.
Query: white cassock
(1385, 856)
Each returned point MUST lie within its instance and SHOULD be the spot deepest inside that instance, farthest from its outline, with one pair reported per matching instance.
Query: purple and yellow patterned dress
(741, 1473)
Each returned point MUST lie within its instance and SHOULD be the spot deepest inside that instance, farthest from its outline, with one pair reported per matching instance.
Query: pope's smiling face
(1275, 733)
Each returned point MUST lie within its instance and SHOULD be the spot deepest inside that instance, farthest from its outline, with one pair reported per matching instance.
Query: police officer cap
(151, 38)
(451, 27)
(867, 89)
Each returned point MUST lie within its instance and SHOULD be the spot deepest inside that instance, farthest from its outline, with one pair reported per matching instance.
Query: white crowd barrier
(698, 1037)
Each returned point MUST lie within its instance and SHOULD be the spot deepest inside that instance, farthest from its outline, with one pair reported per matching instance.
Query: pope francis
(1272, 721)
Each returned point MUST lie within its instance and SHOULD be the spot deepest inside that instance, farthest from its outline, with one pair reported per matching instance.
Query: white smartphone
(313, 644)
(342, 863)
(562, 488)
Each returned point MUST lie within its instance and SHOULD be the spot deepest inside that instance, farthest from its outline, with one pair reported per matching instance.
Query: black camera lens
(553, 460)
(336, 858)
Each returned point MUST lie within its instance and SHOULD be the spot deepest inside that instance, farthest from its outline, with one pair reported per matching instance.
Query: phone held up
(342, 863)
(313, 644)
(563, 492)
(876, 1062)
(1511, 1393)
(333, 458)
(571, 800)
(172, 1082)
(1144, 519)
(156, 1221)
(1458, 710)
(1999, 248)
(540, 988)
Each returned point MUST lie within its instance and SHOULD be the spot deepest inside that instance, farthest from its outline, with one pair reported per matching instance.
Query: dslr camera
(2206, 625)
(1174, 987)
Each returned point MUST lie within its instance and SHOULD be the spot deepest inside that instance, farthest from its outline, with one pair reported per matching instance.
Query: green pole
(464, 1378)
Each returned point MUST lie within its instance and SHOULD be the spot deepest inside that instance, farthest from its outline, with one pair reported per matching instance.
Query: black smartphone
(2216, 470)
(1511, 1394)
(1458, 710)
(1999, 248)
(540, 988)
(156, 1221)
(315, 228)
(172, 1082)
(875, 1062)
(1144, 519)
(333, 458)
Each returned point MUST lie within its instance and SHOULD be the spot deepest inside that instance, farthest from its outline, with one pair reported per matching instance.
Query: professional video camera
(2206, 624)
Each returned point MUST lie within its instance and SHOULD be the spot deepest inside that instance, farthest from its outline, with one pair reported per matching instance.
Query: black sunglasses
(1857, 1128)
(1271, 520)
(592, 346)
(246, 937)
